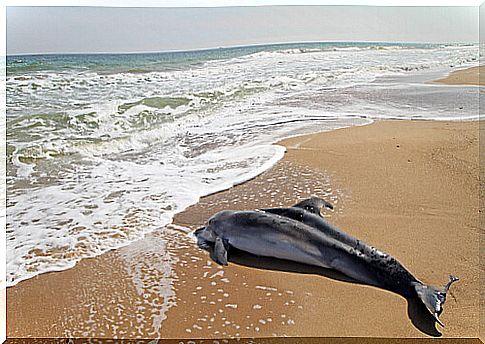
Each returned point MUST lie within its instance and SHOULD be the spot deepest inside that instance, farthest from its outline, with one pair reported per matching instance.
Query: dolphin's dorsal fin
(220, 251)
(313, 205)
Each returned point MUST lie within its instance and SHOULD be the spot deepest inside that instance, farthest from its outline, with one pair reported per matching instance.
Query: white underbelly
(281, 249)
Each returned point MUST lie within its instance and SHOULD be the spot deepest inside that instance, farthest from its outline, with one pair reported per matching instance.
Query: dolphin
(299, 233)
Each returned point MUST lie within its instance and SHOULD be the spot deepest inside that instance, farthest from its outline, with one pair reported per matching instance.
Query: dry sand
(469, 76)
(407, 187)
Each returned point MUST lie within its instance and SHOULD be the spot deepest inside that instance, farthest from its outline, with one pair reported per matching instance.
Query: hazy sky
(108, 29)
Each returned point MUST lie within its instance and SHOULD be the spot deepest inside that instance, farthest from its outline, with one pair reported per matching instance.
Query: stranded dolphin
(300, 234)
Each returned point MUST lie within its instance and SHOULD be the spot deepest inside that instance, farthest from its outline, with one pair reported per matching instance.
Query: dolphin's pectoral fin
(220, 251)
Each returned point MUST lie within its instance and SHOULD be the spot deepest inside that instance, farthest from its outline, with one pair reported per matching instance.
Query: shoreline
(107, 288)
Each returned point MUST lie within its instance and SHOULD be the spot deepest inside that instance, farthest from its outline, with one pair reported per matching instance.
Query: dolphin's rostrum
(300, 234)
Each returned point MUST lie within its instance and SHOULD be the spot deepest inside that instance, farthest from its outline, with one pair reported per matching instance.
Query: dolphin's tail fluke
(434, 298)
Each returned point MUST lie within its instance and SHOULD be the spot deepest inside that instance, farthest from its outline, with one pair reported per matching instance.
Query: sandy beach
(468, 76)
(410, 188)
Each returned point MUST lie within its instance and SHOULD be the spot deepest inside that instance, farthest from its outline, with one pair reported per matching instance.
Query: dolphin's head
(199, 231)
(214, 228)
(205, 238)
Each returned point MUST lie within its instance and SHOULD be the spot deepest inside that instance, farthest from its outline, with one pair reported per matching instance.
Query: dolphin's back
(315, 221)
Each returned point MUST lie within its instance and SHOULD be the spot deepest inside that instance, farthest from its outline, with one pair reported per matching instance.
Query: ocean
(104, 148)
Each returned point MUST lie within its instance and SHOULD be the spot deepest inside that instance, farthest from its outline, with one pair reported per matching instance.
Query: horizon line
(227, 47)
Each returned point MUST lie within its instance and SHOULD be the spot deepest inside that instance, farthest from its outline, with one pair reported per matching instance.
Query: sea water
(102, 149)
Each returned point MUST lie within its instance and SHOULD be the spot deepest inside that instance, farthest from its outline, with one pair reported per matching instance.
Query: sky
(123, 29)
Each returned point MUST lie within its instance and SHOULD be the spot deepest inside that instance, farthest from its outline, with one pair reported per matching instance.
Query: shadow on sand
(417, 312)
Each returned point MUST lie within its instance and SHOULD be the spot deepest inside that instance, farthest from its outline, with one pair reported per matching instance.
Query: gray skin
(300, 234)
